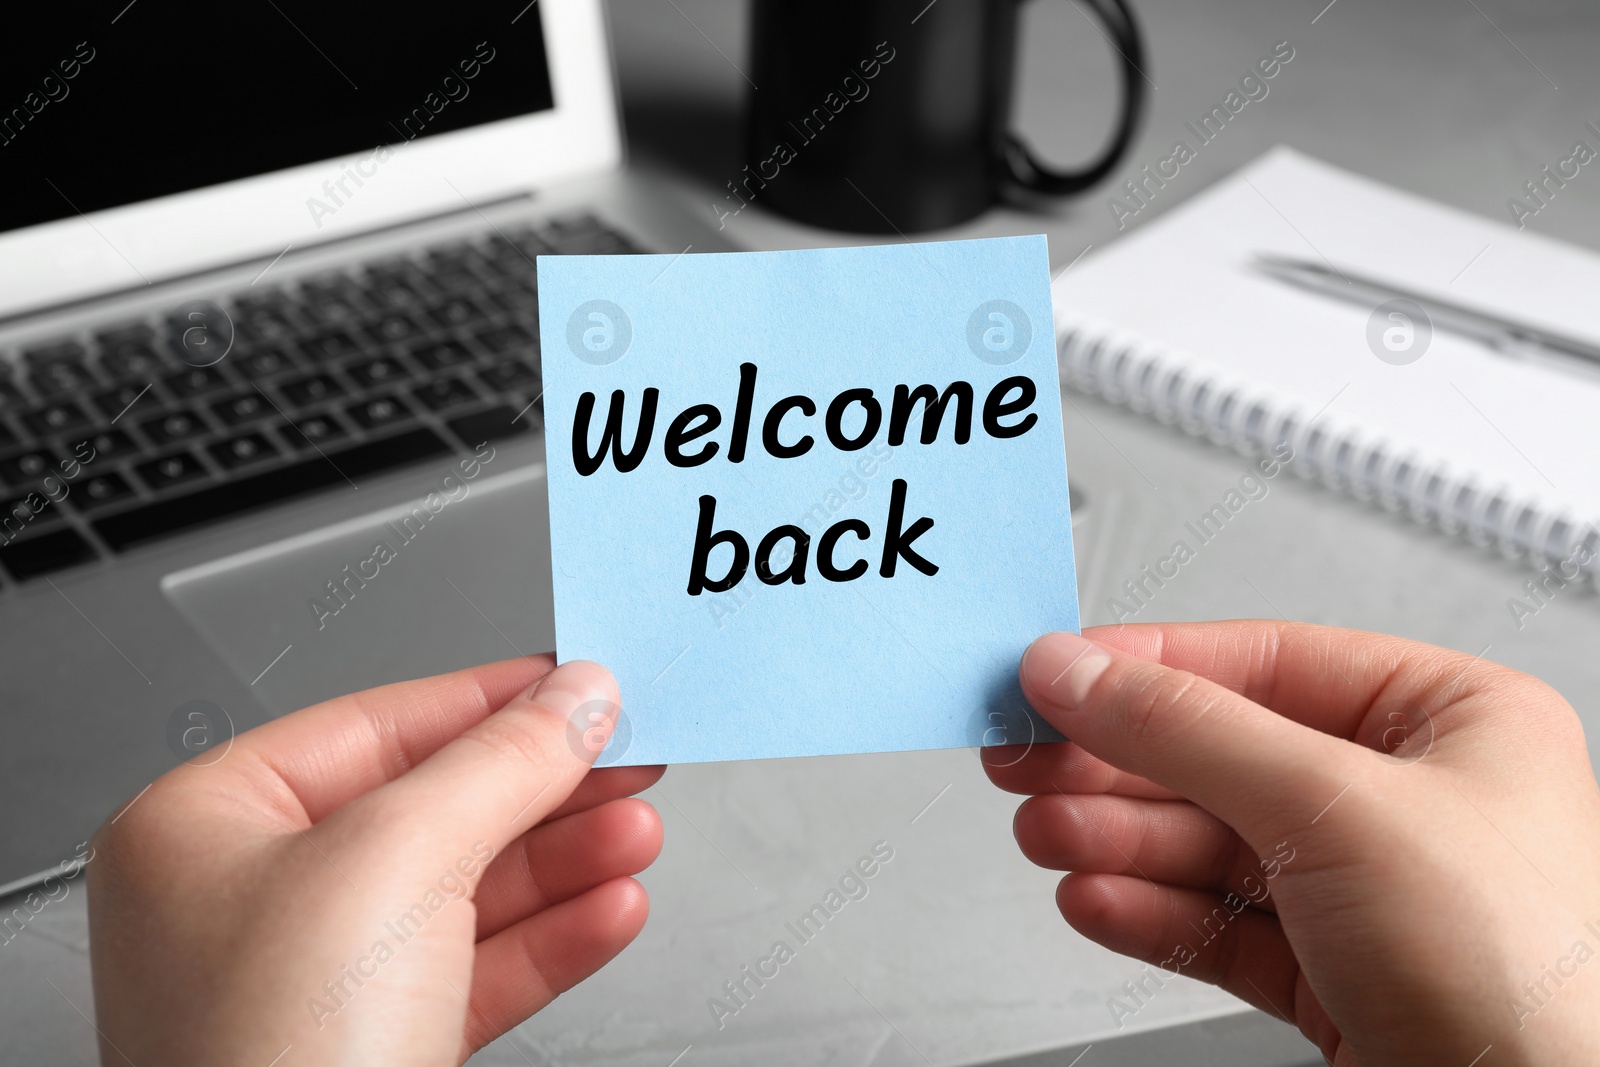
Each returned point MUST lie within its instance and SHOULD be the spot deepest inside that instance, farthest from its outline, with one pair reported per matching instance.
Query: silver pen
(1506, 336)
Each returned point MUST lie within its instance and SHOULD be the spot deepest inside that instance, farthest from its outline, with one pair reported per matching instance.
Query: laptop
(269, 370)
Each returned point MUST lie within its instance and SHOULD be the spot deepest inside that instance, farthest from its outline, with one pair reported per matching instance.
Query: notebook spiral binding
(1203, 400)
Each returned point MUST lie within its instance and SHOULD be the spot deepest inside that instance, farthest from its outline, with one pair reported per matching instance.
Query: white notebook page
(1185, 282)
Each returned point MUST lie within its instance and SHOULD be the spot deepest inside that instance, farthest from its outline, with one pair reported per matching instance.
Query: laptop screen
(104, 104)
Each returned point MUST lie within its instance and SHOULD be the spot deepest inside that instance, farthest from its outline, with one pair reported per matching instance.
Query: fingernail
(1063, 667)
(572, 685)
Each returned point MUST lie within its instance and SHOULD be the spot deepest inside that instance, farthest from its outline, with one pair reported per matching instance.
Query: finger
(1320, 676)
(1207, 936)
(493, 782)
(524, 967)
(328, 754)
(606, 784)
(561, 859)
(1258, 771)
(1063, 767)
(1171, 842)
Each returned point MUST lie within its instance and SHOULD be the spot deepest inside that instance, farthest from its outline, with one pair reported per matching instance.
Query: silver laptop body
(269, 432)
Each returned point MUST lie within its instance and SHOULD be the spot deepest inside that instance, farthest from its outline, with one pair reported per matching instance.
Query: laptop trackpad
(402, 593)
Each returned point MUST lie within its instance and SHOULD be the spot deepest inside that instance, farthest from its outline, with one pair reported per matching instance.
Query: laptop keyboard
(159, 425)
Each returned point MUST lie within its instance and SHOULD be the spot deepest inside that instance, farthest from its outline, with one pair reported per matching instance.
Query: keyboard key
(192, 381)
(491, 425)
(114, 402)
(106, 444)
(454, 279)
(180, 424)
(311, 431)
(312, 389)
(132, 359)
(511, 374)
(394, 327)
(578, 221)
(246, 493)
(518, 253)
(333, 301)
(443, 354)
(478, 255)
(63, 375)
(239, 451)
(171, 470)
(597, 244)
(335, 344)
(585, 235)
(21, 513)
(266, 321)
(378, 412)
(455, 255)
(444, 393)
(263, 363)
(374, 372)
(127, 333)
(55, 352)
(518, 295)
(524, 240)
(507, 338)
(55, 418)
(33, 556)
(455, 311)
(451, 266)
(513, 268)
(100, 490)
(392, 289)
(503, 261)
(200, 333)
(26, 468)
(497, 253)
(242, 407)
(519, 299)
(265, 298)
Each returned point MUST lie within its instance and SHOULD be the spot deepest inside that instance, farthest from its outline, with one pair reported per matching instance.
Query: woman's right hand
(1392, 846)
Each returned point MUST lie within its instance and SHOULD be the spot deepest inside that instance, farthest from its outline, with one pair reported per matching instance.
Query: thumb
(1261, 773)
(500, 777)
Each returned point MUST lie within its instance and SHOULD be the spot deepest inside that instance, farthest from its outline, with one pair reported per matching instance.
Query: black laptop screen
(103, 104)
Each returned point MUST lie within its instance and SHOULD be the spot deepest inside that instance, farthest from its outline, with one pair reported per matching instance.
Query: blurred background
(1457, 100)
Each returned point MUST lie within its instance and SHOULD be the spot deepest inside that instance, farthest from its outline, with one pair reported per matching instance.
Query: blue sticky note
(816, 501)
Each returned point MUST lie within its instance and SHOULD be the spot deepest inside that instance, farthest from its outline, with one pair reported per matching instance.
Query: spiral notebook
(1177, 320)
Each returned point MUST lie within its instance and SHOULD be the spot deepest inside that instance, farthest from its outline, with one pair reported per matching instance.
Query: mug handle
(1028, 172)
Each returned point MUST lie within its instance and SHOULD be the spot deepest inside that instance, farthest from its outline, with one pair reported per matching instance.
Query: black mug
(885, 116)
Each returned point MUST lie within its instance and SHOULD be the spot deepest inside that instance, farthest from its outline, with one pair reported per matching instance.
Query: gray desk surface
(957, 955)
